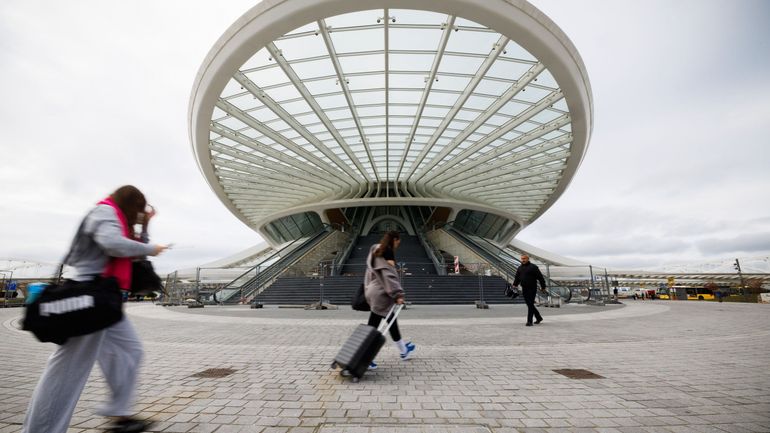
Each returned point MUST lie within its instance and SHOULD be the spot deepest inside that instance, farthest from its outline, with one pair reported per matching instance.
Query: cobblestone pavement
(664, 367)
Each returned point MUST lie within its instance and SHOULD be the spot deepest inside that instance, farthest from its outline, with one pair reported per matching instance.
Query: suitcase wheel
(354, 379)
(334, 364)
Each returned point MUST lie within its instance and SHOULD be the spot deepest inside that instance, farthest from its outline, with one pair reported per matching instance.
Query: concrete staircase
(420, 290)
(409, 252)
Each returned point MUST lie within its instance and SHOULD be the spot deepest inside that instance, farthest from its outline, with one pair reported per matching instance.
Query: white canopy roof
(476, 104)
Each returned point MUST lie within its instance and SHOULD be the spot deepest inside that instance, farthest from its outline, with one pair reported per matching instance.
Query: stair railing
(435, 256)
(502, 266)
(269, 274)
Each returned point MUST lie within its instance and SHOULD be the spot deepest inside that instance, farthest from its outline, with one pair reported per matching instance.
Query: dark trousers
(529, 298)
(374, 320)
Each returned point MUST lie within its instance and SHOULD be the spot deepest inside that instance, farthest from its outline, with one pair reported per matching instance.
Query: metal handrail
(502, 266)
(239, 288)
(274, 270)
(437, 259)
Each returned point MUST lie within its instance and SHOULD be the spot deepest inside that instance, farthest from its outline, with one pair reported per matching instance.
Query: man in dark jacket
(528, 275)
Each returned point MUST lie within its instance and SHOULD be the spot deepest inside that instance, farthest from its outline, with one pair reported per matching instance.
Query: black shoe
(529, 324)
(537, 322)
(130, 425)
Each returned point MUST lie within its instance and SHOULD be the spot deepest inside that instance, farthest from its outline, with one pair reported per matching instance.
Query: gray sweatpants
(119, 353)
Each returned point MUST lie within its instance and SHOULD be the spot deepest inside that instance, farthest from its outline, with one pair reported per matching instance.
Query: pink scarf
(119, 267)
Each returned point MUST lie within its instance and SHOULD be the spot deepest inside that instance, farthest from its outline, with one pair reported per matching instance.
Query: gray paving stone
(471, 366)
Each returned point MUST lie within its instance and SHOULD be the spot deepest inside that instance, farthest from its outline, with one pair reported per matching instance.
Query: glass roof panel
(545, 116)
(478, 102)
(411, 62)
(532, 94)
(246, 102)
(508, 70)
(441, 98)
(258, 60)
(232, 88)
(313, 68)
(459, 21)
(492, 87)
(331, 101)
(282, 93)
(403, 110)
(546, 79)
(412, 81)
(414, 39)
(359, 41)
(410, 16)
(268, 77)
(355, 18)
(362, 82)
(405, 97)
(460, 64)
(361, 63)
(446, 82)
(371, 111)
(320, 87)
(302, 48)
(296, 107)
(513, 108)
(436, 112)
(465, 41)
(339, 114)
(369, 97)
(513, 50)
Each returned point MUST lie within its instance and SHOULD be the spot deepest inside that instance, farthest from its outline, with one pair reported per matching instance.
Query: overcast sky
(94, 95)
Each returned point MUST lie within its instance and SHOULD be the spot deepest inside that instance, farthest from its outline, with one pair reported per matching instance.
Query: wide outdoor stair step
(420, 289)
(410, 252)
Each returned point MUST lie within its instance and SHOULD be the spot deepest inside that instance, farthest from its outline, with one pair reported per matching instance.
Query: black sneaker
(528, 324)
(130, 425)
(537, 322)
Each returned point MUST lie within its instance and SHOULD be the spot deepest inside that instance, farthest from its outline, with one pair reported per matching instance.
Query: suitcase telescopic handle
(385, 324)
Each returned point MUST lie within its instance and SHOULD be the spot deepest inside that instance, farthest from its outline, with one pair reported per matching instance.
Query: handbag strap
(81, 229)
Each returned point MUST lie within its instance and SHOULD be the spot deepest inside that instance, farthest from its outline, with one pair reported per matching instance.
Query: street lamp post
(737, 266)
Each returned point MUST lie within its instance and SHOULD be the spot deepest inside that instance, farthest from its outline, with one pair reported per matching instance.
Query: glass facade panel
(294, 227)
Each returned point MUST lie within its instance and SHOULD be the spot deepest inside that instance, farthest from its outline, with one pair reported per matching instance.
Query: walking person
(528, 274)
(382, 289)
(103, 249)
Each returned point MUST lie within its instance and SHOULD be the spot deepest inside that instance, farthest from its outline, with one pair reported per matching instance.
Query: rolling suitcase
(362, 347)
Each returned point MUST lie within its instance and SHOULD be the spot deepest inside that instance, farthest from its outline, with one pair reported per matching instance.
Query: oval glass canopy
(391, 103)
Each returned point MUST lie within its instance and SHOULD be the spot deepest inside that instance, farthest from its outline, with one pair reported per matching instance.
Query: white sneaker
(409, 349)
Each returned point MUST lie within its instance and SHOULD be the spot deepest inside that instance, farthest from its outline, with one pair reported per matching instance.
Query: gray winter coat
(381, 285)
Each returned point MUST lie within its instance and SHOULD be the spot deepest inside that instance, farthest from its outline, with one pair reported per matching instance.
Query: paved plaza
(664, 367)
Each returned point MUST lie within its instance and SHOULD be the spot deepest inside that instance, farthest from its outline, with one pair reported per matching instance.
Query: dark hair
(386, 242)
(131, 201)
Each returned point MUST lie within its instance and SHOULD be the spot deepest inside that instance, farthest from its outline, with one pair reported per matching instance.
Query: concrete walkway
(665, 367)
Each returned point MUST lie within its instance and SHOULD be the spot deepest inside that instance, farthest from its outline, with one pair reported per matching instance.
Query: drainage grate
(578, 373)
(214, 373)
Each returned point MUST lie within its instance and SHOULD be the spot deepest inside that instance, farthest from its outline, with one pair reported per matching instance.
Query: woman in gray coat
(383, 289)
(103, 248)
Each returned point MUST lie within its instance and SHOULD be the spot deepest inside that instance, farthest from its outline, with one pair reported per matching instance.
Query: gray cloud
(745, 243)
(95, 95)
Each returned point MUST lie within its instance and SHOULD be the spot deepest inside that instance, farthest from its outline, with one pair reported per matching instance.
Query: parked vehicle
(700, 294)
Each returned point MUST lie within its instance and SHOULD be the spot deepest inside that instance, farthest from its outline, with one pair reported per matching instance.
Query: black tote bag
(73, 308)
(358, 301)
